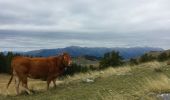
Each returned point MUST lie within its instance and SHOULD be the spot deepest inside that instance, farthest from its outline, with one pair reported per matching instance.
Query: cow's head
(66, 59)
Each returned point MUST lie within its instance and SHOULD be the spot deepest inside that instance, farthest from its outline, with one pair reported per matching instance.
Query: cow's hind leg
(17, 82)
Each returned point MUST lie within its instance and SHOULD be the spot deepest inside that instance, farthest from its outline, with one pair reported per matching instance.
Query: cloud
(89, 15)
(88, 23)
(32, 40)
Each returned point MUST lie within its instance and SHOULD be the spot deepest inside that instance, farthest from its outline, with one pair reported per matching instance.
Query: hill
(157, 53)
(98, 52)
(140, 82)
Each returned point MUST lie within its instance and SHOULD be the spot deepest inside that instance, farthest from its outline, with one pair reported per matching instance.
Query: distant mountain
(76, 51)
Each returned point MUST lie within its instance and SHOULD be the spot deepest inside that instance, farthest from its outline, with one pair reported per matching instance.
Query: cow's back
(33, 67)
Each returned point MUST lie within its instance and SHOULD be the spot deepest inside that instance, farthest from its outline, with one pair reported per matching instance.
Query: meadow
(139, 82)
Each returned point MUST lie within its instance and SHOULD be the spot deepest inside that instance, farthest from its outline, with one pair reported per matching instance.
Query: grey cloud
(59, 23)
(21, 40)
(113, 15)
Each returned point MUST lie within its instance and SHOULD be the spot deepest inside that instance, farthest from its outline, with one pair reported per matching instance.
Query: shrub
(111, 59)
(163, 56)
(133, 61)
(91, 67)
(75, 68)
(157, 69)
(146, 58)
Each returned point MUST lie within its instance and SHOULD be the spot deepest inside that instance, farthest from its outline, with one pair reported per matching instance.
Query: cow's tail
(10, 79)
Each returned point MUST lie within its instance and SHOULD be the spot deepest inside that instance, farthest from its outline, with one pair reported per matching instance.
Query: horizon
(34, 25)
(83, 47)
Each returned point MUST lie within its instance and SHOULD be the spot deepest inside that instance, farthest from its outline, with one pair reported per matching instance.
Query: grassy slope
(85, 62)
(127, 83)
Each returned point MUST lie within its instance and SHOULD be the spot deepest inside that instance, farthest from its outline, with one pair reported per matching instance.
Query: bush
(91, 67)
(158, 70)
(146, 58)
(111, 59)
(75, 68)
(133, 61)
(163, 56)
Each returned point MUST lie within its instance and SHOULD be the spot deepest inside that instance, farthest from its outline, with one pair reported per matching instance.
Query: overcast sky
(37, 24)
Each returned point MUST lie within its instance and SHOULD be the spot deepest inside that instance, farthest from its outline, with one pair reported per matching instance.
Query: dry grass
(3, 82)
(160, 84)
(32, 83)
(111, 95)
(98, 74)
(151, 65)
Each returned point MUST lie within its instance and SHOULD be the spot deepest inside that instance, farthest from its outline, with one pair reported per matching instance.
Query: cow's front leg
(54, 80)
(24, 83)
(25, 87)
(49, 79)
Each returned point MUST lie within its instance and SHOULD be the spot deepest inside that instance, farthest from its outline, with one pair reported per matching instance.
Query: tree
(163, 56)
(2, 63)
(5, 61)
(111, 59)
(146, 58)
(9, 57)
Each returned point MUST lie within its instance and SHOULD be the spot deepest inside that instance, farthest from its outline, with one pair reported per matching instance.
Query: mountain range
(76, 51)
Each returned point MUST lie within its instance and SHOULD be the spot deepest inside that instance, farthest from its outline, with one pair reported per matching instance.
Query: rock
(110, 91)
(165, 96)
(89, 80)
(101, 72)
(123, 74)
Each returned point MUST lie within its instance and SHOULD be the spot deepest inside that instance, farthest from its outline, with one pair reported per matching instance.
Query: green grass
(141, 82)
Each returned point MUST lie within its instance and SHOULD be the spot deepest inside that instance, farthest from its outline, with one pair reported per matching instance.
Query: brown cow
(47, 68)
